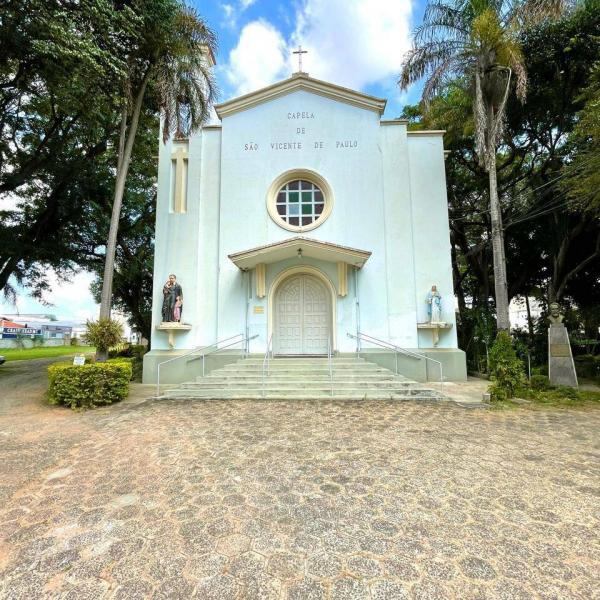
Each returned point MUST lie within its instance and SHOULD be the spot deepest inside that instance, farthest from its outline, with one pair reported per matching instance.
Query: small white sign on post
(79, 361)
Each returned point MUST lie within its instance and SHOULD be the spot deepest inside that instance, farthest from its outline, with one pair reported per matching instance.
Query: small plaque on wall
(559, 350)
(259, 310)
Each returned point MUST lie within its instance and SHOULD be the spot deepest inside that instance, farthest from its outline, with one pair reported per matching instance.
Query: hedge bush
(133, 352)
(506, 370)
(89, 385)
(540, 383)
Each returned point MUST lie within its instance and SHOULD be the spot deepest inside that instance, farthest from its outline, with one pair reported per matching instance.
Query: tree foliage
(103, 333)
(478, 42)
(70, 73)
(582, 181)
(551, 242)
(58, 61)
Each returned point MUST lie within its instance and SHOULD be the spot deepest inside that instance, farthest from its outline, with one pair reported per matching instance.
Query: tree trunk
(529, 321)
(500, 282)
(125, 149)
(6, 270)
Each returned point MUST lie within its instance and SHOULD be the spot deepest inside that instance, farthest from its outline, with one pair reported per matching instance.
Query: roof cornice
(301, 81)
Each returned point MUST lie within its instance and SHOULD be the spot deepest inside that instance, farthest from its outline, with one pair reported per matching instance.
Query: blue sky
(354, 43)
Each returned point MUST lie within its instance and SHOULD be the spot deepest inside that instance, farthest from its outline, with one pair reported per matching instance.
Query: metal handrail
(397, 350)
(330, 365)
(244, 340)
(194, 351)
(266, 362)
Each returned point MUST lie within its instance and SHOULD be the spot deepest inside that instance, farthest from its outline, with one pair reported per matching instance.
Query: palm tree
(169, 59)
(479, 40)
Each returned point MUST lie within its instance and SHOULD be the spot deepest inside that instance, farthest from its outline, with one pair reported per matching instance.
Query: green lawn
(555, 398)
(50, 352)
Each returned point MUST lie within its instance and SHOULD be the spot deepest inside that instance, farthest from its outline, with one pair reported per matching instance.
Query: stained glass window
(300, 202)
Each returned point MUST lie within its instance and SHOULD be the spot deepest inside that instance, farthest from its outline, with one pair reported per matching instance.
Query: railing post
(158, 380)
(329, 353)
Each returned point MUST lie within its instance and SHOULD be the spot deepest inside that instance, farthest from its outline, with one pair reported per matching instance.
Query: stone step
(324, 395)
(304, 379)
(290, 385)
(409, 389)
(367, 368)
(293, 377)
(307, 360)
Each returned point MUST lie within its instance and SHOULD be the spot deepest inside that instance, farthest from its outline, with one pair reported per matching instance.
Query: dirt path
(23, 383)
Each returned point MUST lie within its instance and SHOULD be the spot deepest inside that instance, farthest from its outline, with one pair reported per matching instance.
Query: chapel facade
(299, 223)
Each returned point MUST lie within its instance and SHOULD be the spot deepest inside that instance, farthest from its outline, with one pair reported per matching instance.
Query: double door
(302, 317)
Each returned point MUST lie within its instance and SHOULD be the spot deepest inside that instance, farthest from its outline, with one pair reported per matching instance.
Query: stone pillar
(561, 368)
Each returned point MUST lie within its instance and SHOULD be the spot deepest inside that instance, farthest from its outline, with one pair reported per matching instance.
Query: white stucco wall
(390, 199)
(431, 232)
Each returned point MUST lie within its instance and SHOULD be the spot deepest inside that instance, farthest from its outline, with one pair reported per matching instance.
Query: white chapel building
(304, 224)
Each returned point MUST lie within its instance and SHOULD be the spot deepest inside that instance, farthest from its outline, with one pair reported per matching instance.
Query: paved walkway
(253, 500)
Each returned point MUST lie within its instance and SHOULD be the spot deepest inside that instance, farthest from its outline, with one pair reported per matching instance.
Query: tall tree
(478, 40)
(59, 63)
(582, 182)
(134, 256)
(169, 58)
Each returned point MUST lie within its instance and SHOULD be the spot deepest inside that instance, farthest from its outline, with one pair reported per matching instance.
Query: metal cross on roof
(300, 52)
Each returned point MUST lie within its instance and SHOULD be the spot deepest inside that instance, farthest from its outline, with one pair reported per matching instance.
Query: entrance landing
(306, 378)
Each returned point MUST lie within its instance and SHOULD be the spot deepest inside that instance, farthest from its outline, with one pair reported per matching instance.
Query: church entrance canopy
(299, 246)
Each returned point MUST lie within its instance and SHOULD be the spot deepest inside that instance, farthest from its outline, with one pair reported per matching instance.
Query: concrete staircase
(304, 379)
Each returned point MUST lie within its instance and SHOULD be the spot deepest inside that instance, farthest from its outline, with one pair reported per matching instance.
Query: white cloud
(350, 42)
(258, 59)
(354, 42)
(232, 11)
(69, 300)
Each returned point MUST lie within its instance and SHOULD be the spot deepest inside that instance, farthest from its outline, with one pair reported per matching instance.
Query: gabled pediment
(301, 81)
(299, 247)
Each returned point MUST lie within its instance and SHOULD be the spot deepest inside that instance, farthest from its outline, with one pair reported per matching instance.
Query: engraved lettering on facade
(250, 146)
(347, 144)
(301, 115)
(286, 145)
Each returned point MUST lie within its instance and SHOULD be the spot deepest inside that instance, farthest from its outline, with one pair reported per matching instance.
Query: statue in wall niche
(434, 305)
(555, 317)
(172, 301)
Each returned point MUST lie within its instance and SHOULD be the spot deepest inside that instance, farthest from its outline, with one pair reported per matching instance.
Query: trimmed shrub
(505, 368)
(134, 352)
(89, 385)
(540, 383)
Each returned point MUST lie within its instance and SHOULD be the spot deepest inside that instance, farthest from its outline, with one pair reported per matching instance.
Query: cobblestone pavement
(251, 500)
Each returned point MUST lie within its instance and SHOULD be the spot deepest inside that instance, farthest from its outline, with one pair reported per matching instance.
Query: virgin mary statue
(434, 305)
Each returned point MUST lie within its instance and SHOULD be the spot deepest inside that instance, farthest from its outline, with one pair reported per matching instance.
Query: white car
(2, 360)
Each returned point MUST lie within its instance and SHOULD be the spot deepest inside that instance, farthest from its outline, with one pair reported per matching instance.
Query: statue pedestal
(172, 328)
(435, 329)
(561, 368)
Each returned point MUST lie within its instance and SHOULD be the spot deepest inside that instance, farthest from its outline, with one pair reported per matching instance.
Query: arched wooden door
(302, 316)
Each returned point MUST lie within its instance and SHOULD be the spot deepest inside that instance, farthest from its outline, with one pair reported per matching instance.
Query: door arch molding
(301, 270)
